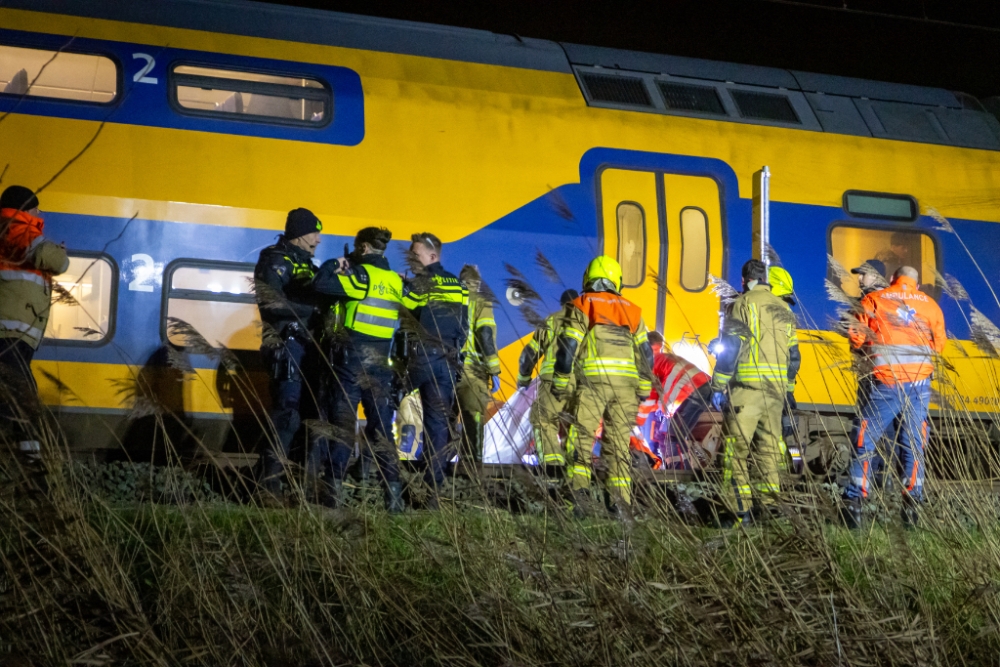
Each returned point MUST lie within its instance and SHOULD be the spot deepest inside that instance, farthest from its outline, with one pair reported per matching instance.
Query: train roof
(609, 78)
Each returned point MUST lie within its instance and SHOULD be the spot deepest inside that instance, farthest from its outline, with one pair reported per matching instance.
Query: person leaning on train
(27, 263)
(757, 359)
(900, 329)
(286, 303)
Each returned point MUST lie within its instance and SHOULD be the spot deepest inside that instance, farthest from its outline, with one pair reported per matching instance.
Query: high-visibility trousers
(615, 401)
(546, 422)
(752, 437)
(903, 405)
(473, 398)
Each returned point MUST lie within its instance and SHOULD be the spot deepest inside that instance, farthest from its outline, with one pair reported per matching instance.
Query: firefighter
(604, 343)
(481, 367)
(547, 410)
(783, 287)
(371, 294)
(286, 303)
(899, 329)
(440, 304)
(757, 359)
(28, 261)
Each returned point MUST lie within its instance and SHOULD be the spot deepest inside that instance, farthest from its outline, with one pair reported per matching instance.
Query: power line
(901, 17)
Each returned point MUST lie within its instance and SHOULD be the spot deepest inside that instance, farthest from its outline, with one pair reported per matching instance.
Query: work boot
(394, 498)
(850, 514)
(582, 506)
(909, 514)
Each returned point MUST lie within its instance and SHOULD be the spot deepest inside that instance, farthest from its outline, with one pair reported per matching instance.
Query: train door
(666, 232)
(631, 213)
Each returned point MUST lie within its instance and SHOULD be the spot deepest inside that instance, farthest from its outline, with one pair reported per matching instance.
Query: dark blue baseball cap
(873, 263)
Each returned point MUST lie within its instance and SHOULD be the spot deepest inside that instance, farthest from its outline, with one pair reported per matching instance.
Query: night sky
(952, 44)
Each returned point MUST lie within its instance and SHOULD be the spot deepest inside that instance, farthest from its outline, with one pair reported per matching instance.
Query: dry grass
(91, 581)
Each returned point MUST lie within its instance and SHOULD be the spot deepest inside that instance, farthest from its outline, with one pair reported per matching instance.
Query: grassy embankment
(88, 581)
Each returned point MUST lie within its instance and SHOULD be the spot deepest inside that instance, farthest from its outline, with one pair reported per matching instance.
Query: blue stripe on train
(561, 224)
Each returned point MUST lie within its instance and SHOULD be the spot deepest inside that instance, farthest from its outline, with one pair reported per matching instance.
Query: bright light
(214, 287)
(692, 351)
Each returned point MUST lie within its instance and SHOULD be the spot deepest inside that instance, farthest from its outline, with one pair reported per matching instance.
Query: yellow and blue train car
(170, 139)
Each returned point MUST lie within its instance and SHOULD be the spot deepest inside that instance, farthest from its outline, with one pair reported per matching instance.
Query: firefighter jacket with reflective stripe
(440, 304)
(900, 329)
(27, 264)
(677, 377)
(282, 281)
(481, 346)
(759, 343)
(370, 292)
(604, 340)
(542, 346)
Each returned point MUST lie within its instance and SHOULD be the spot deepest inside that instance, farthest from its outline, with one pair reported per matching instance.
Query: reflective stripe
(619, 482)
(892, 355)
(578, 470)
(14, 325)
(374, 315)
(573, 333)
(554, 458)
(28, 276)
(676, 385)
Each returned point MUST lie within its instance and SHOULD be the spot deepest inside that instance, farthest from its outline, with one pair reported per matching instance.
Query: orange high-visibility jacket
(902, 330)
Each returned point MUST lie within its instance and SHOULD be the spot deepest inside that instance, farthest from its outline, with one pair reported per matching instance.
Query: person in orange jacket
(900, 330)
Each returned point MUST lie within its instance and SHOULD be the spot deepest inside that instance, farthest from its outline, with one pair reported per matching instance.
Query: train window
(694, 249)
(880, 205)
(82, 303)
(250, 95)
(631, 243)
(58, 74)
(852, 246)
(215, 299)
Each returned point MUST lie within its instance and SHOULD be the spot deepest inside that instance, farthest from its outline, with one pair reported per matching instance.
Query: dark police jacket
(282, 280)
(440, 304)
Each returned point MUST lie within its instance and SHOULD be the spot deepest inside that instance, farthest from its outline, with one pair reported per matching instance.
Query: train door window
(852, 246)
(206, 91)
(216, 300)
(631, 243)
(58, 74)
(83, 301)
(694, 249)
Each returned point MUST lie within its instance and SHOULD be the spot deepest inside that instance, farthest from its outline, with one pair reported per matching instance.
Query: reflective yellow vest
(373, 309)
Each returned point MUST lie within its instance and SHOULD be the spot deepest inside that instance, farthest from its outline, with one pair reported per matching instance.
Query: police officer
(286, 302)
(481, 372)
(371, 294)
(440, 305)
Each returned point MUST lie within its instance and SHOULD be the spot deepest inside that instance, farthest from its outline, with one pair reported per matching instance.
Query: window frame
(914, 206)
(325, 93)
(29, 44)
(645, 242)
(854, 224)
(112, 304)
(198, 295)
(708, 249)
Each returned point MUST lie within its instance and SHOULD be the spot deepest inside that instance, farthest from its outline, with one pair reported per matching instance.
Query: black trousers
(20, 408)
(361, 374)
(284, 365)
